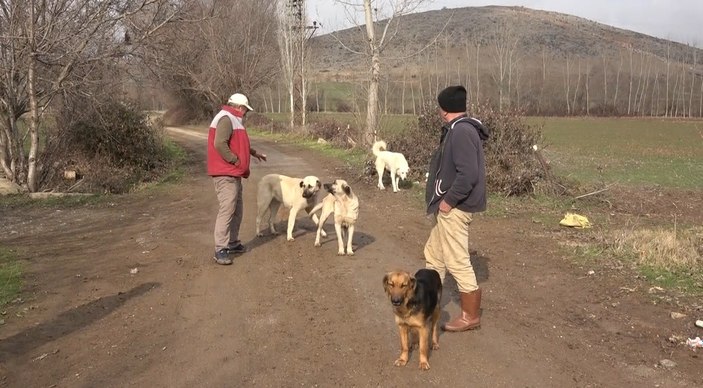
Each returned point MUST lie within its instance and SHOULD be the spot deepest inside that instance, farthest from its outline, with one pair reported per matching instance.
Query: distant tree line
(633, 82)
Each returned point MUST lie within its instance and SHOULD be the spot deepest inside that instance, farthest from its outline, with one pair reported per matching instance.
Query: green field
(629, 151)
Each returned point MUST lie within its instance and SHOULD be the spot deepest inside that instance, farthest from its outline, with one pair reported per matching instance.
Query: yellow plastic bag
(575, 221)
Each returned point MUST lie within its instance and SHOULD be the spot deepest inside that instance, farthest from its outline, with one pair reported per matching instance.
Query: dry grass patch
(670, 250)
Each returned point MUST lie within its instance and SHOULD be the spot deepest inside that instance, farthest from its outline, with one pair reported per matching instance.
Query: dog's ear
(385, 282)
(412, 283)
(302, 184)
(347, 190)
(319, 184)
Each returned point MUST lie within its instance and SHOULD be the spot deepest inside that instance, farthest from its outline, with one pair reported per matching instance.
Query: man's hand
(444, 207)
(260, 156)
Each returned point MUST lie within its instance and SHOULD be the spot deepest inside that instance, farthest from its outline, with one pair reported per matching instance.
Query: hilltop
(539, 32)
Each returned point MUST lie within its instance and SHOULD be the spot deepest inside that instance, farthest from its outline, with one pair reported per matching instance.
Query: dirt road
(288, 314)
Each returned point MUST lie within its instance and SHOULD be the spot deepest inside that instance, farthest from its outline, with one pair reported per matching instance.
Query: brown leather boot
(470, 318)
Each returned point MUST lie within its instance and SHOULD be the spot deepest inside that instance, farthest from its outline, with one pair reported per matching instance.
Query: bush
(335, 132)
(119, 132)
(511, 164)
(111, 147)
(259, 121)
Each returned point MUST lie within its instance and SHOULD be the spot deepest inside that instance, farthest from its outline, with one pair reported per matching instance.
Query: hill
(537, 32)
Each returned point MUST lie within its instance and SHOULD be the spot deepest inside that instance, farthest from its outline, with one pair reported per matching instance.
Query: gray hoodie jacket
(457, 170)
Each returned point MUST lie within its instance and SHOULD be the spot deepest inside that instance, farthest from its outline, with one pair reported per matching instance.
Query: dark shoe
(222, 257)
(470, 318)
(236, 249)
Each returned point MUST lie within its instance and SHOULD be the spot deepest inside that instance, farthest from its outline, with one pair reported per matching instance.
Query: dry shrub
(665, 249)
(338, 133)
(111, 146)
(511, 165)
(416, 142)
(257, 120)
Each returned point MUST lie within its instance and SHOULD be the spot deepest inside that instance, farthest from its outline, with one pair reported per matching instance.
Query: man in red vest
(228, 157)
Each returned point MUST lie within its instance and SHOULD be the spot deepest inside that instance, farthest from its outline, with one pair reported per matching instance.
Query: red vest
(238, 144)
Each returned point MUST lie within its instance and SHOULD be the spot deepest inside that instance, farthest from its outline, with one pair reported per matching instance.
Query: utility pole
(297, 36)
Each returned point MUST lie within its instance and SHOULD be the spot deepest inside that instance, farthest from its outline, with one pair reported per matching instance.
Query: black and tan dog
(415, 300)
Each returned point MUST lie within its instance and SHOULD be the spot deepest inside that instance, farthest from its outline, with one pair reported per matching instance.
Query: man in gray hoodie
(456, 189)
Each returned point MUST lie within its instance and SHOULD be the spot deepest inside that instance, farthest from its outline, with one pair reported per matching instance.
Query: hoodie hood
(483, 132)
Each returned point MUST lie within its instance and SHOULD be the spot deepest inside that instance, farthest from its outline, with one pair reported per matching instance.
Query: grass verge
(10, 275)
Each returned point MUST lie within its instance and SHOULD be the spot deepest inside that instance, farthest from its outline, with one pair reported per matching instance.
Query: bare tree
(504, 56)
(617, 81)
(45, 42)
(632, 74)
(379, 35)
(693, 82)
(668, 64)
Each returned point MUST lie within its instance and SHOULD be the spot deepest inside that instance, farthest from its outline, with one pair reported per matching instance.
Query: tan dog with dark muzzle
(341, 201)
(293, 193)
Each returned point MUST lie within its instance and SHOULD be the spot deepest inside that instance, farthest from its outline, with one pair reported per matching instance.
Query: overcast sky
(678, 20)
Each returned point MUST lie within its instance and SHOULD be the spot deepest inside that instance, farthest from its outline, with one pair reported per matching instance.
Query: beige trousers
(229, 217)
(447, 249)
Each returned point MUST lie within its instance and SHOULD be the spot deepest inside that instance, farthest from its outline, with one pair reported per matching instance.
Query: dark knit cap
(452, 99)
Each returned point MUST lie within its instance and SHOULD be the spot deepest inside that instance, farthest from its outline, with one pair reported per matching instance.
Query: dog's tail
(378, 147)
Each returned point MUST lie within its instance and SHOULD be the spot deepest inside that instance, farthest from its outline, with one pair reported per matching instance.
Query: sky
(678, 20)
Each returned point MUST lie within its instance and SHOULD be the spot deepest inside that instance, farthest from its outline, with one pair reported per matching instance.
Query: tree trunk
(693, 84)
(629, 93)
(668, 63)
(372, 103)
(33, 109)
(402, 96)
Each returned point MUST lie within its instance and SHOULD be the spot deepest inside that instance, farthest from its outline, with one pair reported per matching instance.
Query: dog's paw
(424, 365)
(400, 362)
(435, 346)
(323, 233)
(259, 234)
(290, 238)
(350, 253)
(317, 244)
(340, 253)
(381, 188)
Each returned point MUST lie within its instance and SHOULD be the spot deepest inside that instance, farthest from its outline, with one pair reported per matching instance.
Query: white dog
(392, 161)
(294, 193)
(345, 205)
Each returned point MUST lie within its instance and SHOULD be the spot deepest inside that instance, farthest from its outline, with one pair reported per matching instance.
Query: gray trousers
(229, 216)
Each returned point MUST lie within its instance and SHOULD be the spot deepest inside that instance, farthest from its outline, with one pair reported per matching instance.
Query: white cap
(239, 99)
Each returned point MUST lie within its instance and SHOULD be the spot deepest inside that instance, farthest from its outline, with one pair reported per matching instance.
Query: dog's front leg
(340, 240)
(291, 222)
(404, 349)
(424, 337)
(350, 234)
(394, 181)
(320, 230)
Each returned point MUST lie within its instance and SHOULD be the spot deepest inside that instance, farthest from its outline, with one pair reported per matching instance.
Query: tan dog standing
(341, 201)
(294, 193)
